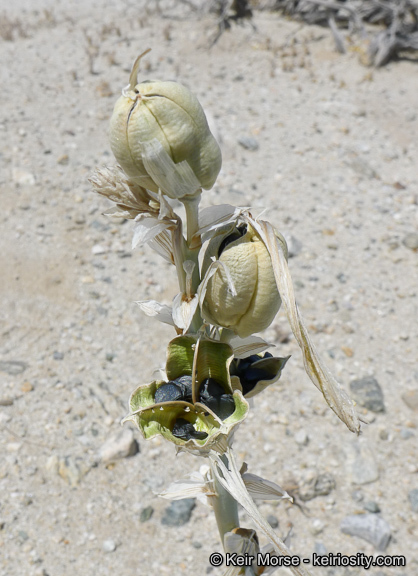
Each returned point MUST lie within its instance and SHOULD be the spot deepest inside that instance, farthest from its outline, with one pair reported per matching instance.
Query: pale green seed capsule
(169, 113)
(257, 300)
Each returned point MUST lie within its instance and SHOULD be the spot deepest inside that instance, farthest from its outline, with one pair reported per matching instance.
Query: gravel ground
(329, 147)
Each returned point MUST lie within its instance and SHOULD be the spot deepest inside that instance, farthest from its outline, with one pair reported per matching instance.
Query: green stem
(191, 204)
(224, 506)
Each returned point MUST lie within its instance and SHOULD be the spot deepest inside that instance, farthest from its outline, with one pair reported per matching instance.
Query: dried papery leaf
(174, 180)
(183, 311)
(195, 486)
(147, 228)
(244, 347)
(163, 245)
(227, 473)
(336, 398)
(214, 219)
(161, 312)
(261, 489)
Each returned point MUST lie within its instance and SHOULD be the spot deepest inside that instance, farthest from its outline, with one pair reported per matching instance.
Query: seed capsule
(248, 263)
(171, 114)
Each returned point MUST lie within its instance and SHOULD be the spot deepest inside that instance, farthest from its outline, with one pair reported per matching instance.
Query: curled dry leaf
(335, 396)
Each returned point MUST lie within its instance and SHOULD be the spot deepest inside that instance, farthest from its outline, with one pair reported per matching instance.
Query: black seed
(185, 385)
(186, 431)
(238, 233)
(169, 392)
(213, 396)
(249, 374)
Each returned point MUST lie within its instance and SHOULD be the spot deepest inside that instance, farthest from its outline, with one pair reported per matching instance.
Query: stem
(178, 253)
(191, 204)
(224, 506)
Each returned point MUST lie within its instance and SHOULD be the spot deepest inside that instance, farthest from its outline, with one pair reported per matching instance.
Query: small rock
(70, 469)
(98, 249)
(13, 367)
(27, 387)
(294, 247)
(411, 241)
(368, 393)
(63, 160)
(119, 445)
(179, 512)
(23, 536)
(58, 355)
(320, 549)
(301, 438)
(272, 520)
(317, 526)
(406, 433)
(411, 399)
(413, 499)
(318, 485)
(249, 143)
(361, 465)
(369, 527)
(6, 401)
(23, 178)
(146, 514)
(357, 496)
(371, 506)
(196, 544)
(109, 546)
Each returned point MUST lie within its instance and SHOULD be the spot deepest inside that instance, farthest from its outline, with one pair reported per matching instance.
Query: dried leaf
(336, 398)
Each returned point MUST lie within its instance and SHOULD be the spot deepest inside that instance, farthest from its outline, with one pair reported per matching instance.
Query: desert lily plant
(233, 278)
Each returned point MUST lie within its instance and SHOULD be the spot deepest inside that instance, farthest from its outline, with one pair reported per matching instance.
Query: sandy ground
(336, 168)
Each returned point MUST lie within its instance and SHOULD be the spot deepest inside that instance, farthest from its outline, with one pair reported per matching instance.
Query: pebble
(196, 544)
(109, 546)
(413, 499)
(146, 514)
(301, 438)
(318, 485)
(361, 465)
(178, 512)
(13, 367)
(249, 143)
(58, 355)
(72, 470)
(411, 399)
(369, 527)
(27, 387)
(406, 433)
(119, 445)
(272, 520)
(6, 401)
(317, 526)
(320, 549)
(368, 393)
(411, 241)
(372, 507)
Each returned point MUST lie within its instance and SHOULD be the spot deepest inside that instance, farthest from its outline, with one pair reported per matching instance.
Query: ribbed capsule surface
(257, 299)
(170, 113)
